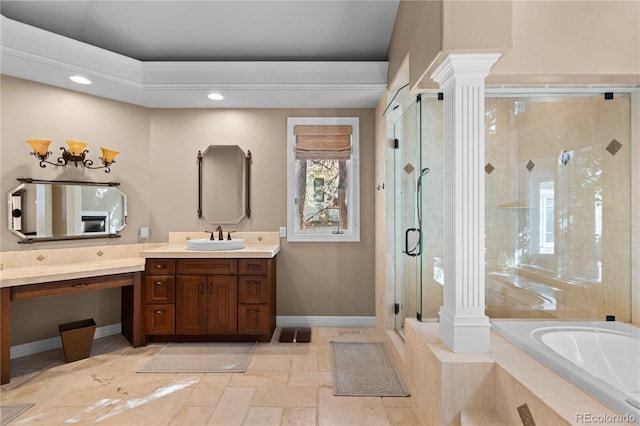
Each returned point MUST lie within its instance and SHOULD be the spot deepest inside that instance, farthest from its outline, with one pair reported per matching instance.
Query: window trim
(294, 234)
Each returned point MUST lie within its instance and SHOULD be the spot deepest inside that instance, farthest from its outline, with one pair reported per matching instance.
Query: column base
(467, 335)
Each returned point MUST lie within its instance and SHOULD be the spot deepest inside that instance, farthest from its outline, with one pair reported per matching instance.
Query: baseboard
(30, 348)
(325, 321)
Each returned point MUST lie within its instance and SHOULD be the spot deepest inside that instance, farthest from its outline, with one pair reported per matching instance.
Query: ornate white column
(464, 327)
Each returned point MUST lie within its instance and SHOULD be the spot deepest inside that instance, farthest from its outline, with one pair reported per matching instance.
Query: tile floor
(285, 384)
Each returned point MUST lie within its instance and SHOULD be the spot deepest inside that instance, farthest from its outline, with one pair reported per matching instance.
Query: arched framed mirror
(224, 184)
(45, 210)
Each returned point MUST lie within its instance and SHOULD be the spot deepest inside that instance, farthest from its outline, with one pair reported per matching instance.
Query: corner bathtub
(601, 357)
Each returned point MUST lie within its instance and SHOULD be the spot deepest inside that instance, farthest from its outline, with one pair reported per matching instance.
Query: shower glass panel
(431, 204)
(407, 229)
(558, 213)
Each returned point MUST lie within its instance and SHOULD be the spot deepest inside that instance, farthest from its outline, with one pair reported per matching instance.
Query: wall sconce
(76, 154)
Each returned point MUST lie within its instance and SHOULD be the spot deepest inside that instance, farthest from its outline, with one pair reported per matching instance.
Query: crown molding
(38, 55)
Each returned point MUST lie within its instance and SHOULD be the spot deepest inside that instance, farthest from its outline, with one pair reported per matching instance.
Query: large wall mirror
(224, 182)
(41, 210)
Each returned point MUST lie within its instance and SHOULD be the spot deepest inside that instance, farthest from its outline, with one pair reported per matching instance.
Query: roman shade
(328, 142)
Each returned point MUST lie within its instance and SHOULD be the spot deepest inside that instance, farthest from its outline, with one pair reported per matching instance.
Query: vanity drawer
(160, 266)
(253, 319)
(159, 289)
(207, 266)
(253, 266)
(160, 319)
(71, 286)
(253, 289)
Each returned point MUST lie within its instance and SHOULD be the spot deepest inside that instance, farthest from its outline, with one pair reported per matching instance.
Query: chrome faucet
(219, 229)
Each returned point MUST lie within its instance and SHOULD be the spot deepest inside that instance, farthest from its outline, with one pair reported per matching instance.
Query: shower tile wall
(581, 268)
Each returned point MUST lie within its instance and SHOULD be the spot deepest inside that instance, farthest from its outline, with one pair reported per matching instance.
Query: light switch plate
(283, 231)
(144, 232)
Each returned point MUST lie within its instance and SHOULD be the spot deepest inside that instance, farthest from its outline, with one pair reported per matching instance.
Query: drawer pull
(253, 282)
(159, 283)
(159, 266)
(79, 285)
(159, 312)
(253, 266)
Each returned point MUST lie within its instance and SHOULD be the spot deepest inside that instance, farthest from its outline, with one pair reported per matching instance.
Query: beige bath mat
(201, 358)
(10, 412)
(363, 369)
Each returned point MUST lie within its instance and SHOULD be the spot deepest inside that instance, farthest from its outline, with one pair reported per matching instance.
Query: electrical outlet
(283, 231)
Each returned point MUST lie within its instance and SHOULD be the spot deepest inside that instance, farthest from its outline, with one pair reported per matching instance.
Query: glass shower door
(407, 229)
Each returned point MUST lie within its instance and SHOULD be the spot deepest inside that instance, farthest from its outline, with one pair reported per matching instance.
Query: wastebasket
(77, 338)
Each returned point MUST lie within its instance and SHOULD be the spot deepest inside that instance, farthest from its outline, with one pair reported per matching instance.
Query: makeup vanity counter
(212, 296)
(31, 274)
(227, 295)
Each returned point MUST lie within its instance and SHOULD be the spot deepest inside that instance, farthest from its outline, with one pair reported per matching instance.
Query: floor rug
(12, 411)
(201, 358)
(364, 369)
(295, 335)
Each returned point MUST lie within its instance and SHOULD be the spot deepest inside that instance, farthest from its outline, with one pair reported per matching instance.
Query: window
(323, 179)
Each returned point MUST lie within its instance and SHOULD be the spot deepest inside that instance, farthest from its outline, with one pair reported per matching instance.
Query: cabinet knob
(158, 283)
(159, 312)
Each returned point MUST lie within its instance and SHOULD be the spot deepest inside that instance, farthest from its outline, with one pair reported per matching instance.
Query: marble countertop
(41, 266)
(250, 251)
(67, 271)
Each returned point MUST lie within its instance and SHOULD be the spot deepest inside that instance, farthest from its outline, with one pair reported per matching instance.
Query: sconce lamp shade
(76, 148)
(40, 146)
(108, 155)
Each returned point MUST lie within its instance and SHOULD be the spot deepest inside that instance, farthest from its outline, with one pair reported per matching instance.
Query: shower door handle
(417, 250)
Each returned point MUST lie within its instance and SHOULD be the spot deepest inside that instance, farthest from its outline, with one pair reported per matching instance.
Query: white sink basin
(215, 245)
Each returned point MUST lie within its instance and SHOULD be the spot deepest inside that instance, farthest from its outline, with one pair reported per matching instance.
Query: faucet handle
(229, 235)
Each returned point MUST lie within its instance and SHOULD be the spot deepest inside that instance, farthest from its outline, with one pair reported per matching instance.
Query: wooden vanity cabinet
(206, 303)
(256, 297)
(210, 299)
(159, 297)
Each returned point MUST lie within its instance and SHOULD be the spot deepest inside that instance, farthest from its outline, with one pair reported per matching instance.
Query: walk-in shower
(557, 205)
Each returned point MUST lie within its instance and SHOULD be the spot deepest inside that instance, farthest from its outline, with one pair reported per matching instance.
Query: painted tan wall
(417, 34)
(317, 279)
(31, 111)
(157, 169)
(550, 42)
(572, 42)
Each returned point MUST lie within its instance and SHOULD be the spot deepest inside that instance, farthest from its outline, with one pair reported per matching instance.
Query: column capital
(464, 66)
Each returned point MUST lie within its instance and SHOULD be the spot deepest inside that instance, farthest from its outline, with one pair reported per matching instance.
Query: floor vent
(526, 416)
(295, 335)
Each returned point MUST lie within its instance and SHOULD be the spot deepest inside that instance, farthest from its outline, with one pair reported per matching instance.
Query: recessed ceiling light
(216, 96)
(80, 79)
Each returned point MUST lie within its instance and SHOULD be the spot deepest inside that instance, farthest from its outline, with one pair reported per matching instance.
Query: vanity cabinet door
(206, 304)
(253, 319)
(222, 305)
(191, 304)
(160, 319)
(253, 289)
(159, 289)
